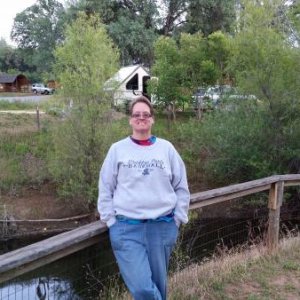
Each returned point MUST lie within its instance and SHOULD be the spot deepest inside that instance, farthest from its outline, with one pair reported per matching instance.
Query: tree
(84, 63)
(218, 52)
(167, 68)
(172, 16)
(209, 16)
(107, 10)
(266, 64)
(6, 53)
(86, 59)
(134, 40)
(182, 67)
(131, 25)
(12, 61)
(135, 25)
(39, 28)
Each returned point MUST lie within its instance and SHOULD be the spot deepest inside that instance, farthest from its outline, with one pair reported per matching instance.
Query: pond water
(78, 276)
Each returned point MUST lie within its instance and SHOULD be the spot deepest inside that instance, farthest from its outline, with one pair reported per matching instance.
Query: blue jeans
(143, 252)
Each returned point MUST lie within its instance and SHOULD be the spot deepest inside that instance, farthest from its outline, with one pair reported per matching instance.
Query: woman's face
(141, 119)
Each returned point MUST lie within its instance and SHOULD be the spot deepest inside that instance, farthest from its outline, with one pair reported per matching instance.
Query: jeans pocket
(172, 234)
(116, 235)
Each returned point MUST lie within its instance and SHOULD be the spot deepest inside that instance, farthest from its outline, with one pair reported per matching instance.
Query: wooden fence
(15, 263)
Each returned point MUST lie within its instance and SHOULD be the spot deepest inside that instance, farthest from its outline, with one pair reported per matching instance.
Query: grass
(251, 275)
(17, 105)
(22, 150)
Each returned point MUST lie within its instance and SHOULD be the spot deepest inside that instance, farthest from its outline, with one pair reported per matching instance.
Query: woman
(143, 198)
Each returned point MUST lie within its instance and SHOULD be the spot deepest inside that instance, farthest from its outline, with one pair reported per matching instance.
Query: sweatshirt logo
(146, 171)
(145, 166)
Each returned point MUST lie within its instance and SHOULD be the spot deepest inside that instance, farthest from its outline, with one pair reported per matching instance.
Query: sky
(8, 12)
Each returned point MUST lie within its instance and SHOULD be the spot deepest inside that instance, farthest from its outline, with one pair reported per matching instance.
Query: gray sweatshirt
(143, 182)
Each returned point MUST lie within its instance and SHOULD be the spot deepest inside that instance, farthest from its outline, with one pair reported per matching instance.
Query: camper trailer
(128, 83)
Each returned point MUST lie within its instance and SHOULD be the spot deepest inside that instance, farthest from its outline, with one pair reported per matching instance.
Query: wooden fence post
(275, 202)
(38, 118)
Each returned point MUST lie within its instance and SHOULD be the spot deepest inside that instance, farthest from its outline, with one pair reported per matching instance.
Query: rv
(128, 83)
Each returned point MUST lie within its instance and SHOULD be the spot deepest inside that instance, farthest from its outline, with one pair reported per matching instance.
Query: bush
(80, 145)
(239, 145)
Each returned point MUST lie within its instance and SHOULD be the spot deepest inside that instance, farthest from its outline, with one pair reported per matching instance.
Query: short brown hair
(141, 99)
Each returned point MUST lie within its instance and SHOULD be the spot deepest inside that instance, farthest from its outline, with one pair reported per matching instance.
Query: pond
(78, 276)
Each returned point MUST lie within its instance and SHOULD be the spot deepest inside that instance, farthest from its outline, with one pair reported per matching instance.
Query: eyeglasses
(144, 115)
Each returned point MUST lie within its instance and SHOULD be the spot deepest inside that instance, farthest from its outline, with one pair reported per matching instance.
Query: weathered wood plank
(292, 183)
(232, 189)
(43, 260)
(61, 242)
(219, 199)
(293, 179)
(275, 202)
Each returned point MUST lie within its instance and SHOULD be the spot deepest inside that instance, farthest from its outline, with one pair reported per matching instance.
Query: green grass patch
(16, 105)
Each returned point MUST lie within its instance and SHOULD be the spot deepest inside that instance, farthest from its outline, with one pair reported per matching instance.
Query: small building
(127, 83)
(13, 83)
(53, 84)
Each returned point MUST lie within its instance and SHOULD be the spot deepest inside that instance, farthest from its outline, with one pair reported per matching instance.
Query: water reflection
(39, 288)
(81, 275)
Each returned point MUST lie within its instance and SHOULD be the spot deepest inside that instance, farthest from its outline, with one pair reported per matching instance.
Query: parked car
(201, 101)
(220, 93)
(197, 98)
(207, 98)
(40, 88)
(211, 97)
(217, 92)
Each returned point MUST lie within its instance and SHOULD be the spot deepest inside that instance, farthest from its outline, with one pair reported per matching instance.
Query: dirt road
(31, 98)
(18, 112)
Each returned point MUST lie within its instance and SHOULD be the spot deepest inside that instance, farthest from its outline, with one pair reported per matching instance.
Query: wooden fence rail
(23, 260)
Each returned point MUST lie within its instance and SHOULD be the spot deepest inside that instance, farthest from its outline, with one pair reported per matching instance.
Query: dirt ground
(42, 203)
(35, 211)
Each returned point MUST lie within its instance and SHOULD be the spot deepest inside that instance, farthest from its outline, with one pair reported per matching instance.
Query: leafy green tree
(192, 49)
(131, 25)
(182, 67)
(12, 61)
(107, 9)
(86, 59)
(209, 16)
(134, 25)
(84, 63)
(218, 52)
(172, 16)
(134, 40)
(263, 60)
(168, 69)
(6, 53)
(39, 28)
